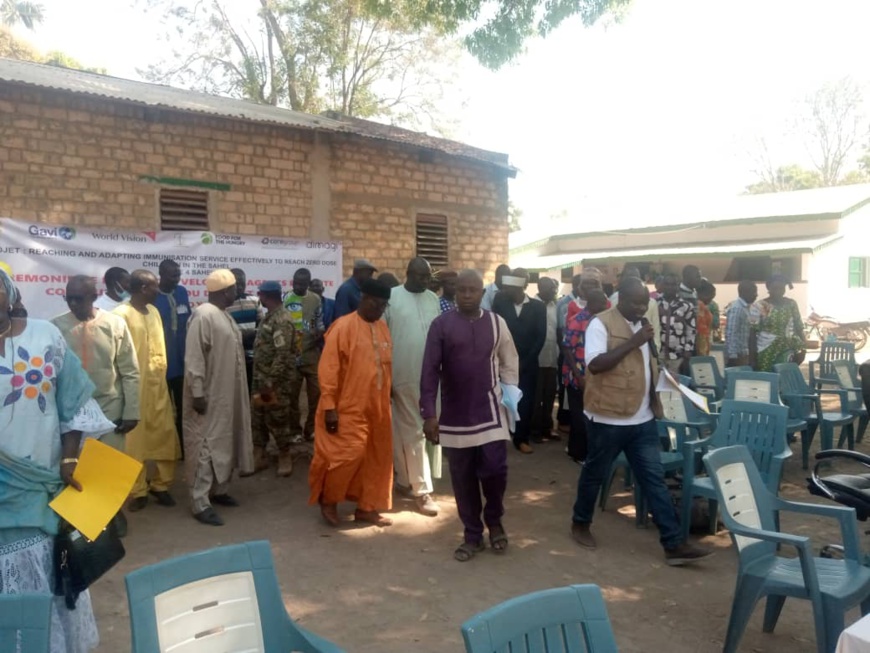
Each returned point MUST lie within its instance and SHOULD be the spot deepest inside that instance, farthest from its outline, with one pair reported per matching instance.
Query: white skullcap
(220, 280)
(514, 282)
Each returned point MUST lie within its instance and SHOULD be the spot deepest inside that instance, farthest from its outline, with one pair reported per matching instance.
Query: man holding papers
(620, 404)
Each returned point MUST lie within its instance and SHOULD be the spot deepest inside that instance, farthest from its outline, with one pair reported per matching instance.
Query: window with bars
(859, 272)
(432, 240)
(183, 210)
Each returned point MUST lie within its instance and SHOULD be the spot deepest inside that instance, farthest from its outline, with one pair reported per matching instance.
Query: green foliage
(62, 60)
(15, 48)
(785, 178)
(500, 28)
(833, 126)
(308, 55)
(515, 217)
(13, 12)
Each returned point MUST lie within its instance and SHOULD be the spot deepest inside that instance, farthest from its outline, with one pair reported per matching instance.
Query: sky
(625, 119)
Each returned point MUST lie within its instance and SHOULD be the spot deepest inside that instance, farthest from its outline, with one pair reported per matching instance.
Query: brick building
(83, 149)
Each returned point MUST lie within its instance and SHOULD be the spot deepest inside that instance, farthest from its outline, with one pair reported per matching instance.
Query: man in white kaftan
(412, 309)
(217, 412)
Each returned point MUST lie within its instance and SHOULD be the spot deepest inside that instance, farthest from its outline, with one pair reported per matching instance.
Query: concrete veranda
(399, 589)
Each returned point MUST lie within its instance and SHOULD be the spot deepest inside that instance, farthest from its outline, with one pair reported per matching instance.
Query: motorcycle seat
(851, 490)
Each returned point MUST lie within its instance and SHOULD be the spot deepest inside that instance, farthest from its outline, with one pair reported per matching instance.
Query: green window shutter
(857, 275)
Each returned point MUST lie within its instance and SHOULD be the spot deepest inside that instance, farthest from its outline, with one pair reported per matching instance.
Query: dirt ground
(399, 589)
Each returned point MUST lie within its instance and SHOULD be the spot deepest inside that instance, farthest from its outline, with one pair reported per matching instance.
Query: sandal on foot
(467, 550)
(498, 540)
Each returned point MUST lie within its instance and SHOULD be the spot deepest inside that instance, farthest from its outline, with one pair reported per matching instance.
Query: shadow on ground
(399, 589)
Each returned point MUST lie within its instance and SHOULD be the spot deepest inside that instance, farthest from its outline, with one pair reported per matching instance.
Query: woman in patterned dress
(778, 325)
(43, 390)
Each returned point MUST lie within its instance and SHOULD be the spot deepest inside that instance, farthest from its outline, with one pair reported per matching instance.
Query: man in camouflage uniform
(276, 356)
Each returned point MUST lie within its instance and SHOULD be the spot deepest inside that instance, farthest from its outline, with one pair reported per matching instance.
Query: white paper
(667, 383)
(510, 399)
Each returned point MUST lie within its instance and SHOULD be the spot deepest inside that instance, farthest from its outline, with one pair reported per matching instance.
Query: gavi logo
(64, 233)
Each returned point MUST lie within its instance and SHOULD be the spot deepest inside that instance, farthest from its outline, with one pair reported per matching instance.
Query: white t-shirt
(596, 344)
(106, 303)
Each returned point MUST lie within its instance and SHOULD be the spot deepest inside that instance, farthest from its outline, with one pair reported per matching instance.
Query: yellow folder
(106, 476)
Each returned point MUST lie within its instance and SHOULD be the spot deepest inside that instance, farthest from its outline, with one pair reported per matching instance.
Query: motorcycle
(825, 328)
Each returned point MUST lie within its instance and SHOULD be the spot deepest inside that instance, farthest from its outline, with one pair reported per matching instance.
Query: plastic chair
(566, 619)
(707, 378)
(25, 623)
(749, 510)
(763, 387)
(759, 426)
(822, 369)
(806, 403)
(682, 421)
(849, 382)
(223, 599)
(718, 353)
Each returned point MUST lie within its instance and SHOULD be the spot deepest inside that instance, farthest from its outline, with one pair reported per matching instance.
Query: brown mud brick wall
(79, 160)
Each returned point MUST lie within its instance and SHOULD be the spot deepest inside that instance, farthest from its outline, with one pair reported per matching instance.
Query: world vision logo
(206, 238)
(61, 233)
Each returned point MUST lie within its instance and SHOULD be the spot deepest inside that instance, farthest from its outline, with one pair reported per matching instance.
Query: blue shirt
(737, 329)
(174, 310)
(347, 298)
(328, 308)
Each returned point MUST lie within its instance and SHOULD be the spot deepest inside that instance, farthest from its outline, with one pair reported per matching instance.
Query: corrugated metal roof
(168, 97)
(556, 261)
(679, 213)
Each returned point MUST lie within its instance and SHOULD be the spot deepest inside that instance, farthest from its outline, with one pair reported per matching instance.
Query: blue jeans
(641, 446)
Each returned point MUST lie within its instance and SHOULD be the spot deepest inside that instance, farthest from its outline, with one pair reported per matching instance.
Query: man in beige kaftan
(216, 406)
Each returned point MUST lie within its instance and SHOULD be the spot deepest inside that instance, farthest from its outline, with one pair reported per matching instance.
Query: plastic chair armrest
(842, 394)
(846, 517)
(797, 541)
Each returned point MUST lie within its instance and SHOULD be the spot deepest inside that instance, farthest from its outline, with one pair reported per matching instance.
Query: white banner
(43, 257)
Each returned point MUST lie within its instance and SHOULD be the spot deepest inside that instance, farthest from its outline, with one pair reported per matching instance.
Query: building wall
(86, 161)
(829, 292)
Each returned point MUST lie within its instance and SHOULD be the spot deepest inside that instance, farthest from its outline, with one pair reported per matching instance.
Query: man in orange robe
(353, 438)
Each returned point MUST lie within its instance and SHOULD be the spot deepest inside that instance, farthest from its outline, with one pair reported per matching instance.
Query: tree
(500, 28)
(13, 12)
(785, 178)
(15, 48)
(515, 217)
(308, 55)
(834, 127)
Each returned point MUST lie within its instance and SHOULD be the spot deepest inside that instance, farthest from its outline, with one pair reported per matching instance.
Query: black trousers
(176, 392)
(528, 384)
(562, 416)
(578, 444)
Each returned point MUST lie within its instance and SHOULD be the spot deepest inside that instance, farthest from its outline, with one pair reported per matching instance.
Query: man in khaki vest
(620, 404)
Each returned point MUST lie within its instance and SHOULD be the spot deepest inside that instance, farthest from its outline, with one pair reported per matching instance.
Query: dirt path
(399, 590)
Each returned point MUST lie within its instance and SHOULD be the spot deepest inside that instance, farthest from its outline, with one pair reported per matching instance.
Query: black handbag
(79, 562)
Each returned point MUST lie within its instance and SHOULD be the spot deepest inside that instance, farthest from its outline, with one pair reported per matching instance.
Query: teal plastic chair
(682, 421)
(25, 623)
(806, 403)
(763, 387)
(822, 369)
(749, 511)
(223, 599)
(565, 620)
(761, 427)
(707, 379)
(849, 383)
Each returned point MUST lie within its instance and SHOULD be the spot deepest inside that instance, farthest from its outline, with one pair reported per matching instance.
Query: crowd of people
(395, 375)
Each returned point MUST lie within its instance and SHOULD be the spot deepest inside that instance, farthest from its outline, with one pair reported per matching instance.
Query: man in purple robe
(470, 352)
